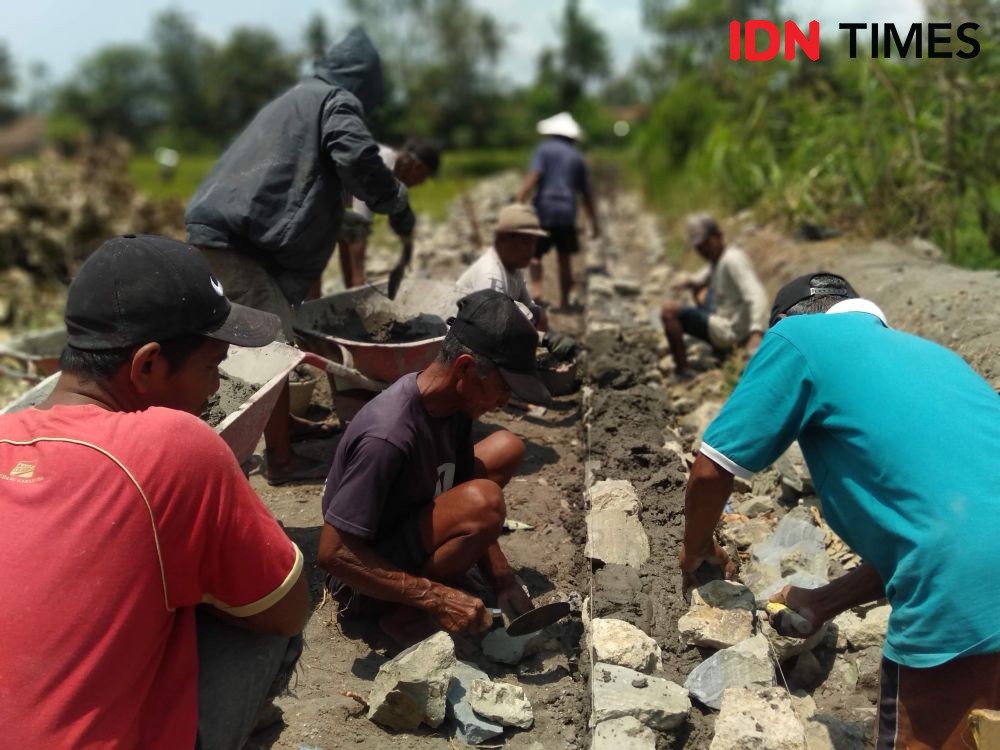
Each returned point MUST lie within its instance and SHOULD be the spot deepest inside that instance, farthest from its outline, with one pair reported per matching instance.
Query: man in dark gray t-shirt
(411, 503)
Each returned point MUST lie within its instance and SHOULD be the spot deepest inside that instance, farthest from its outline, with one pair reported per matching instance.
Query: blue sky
(61, 32)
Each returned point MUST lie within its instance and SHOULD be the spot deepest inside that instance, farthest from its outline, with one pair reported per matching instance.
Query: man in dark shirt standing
(268, 214)
(558, 173)
(411, 503)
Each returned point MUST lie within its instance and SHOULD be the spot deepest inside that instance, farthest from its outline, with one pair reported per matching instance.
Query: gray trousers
(239, 672)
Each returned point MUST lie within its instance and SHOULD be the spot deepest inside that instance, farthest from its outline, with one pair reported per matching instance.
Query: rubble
(470, 728)
(653, 701)
(501, 702)
(797, 546)
(862, 632)
(620, 643)
(411, 689)
(757, 719)
(745, 665)
(827, 732)
(613, 494)
(616, 536)
(504, 648)
(625, 733)
(721, 615)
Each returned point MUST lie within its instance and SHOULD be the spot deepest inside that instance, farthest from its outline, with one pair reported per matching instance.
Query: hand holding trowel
(396, 277)
(520, 616)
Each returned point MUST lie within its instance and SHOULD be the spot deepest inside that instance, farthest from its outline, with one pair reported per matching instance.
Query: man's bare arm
(588, 206)
(354, 562)
(528, 186)
(859, 586)
(709, 486)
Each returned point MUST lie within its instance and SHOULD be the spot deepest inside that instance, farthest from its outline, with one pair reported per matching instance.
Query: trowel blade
(538, 618)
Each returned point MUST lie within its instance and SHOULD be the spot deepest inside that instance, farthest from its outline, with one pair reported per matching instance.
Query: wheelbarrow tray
(36, 354)
(266, 368)
(320, 327)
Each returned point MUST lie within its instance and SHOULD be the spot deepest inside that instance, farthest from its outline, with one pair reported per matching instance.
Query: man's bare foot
(306, 429)
(406, 625)
(298, 469)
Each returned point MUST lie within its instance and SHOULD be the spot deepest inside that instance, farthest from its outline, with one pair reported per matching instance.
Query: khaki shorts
(354, 228)
(247, 282)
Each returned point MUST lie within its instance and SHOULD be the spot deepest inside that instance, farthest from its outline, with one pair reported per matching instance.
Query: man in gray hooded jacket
(268, 214)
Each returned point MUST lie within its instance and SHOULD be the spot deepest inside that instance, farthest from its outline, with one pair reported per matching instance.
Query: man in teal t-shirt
(902, 439)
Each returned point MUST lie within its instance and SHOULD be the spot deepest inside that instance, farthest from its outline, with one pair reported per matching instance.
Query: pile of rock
(56, 211)
(426, 684)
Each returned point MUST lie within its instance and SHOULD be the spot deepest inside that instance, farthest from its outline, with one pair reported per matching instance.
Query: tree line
(179, 88)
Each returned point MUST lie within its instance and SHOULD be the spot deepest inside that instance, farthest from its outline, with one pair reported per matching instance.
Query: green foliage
(885, 147)
(115, 91)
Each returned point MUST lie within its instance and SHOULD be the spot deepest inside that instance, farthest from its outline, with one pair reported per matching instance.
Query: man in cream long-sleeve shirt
(734, 309)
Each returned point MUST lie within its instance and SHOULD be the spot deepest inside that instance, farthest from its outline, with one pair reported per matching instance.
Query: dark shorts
(402, 547)
(929, 708)
(694, 321)
(564, 239)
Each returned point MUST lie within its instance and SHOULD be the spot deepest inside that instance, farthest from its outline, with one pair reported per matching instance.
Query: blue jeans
(239, 672)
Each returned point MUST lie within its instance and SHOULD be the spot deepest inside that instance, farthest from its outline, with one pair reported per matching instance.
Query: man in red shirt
(121, 512)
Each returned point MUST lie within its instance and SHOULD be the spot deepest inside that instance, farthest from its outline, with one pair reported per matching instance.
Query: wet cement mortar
(232, 393)
(628, 415)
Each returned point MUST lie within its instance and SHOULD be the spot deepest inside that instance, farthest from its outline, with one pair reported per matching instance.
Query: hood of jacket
(354, 64)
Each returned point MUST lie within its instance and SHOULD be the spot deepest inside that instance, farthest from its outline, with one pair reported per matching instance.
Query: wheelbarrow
(32, 356)
(266, 368)
(322, 327)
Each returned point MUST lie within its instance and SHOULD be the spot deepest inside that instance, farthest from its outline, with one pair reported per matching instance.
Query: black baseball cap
(139, 288)
(491, 324)
(805, 287)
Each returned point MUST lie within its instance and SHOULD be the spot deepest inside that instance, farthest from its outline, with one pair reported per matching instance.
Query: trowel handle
(347, 373)
(776, 611)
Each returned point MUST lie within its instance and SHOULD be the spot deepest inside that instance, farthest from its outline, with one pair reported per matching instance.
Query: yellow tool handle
(777, 611)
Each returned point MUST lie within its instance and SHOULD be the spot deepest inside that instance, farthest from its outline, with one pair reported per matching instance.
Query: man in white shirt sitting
(500, 268)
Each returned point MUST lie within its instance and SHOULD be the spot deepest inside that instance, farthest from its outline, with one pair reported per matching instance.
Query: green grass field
(459, 169)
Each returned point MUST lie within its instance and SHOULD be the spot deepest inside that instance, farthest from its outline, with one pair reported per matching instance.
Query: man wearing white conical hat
(558, 173)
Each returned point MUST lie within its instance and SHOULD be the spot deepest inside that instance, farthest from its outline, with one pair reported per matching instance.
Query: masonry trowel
(535, 619)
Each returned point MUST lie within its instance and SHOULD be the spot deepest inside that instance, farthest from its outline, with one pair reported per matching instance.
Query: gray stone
(807, 671)
(797, 546)
(756, 505)
(411, 688)
(501, 702)
(506, 649)
(622, 644)
(470, 728)
(863, 632)
(793, 470)
(784, 647)
(614, 494)
(723, 595)
(761, 719)
(698, 420)
(825, 731)
(747, 664)
(625, 733)
(721, 615)
(616, 537)
(745, 532)
(661, 704)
